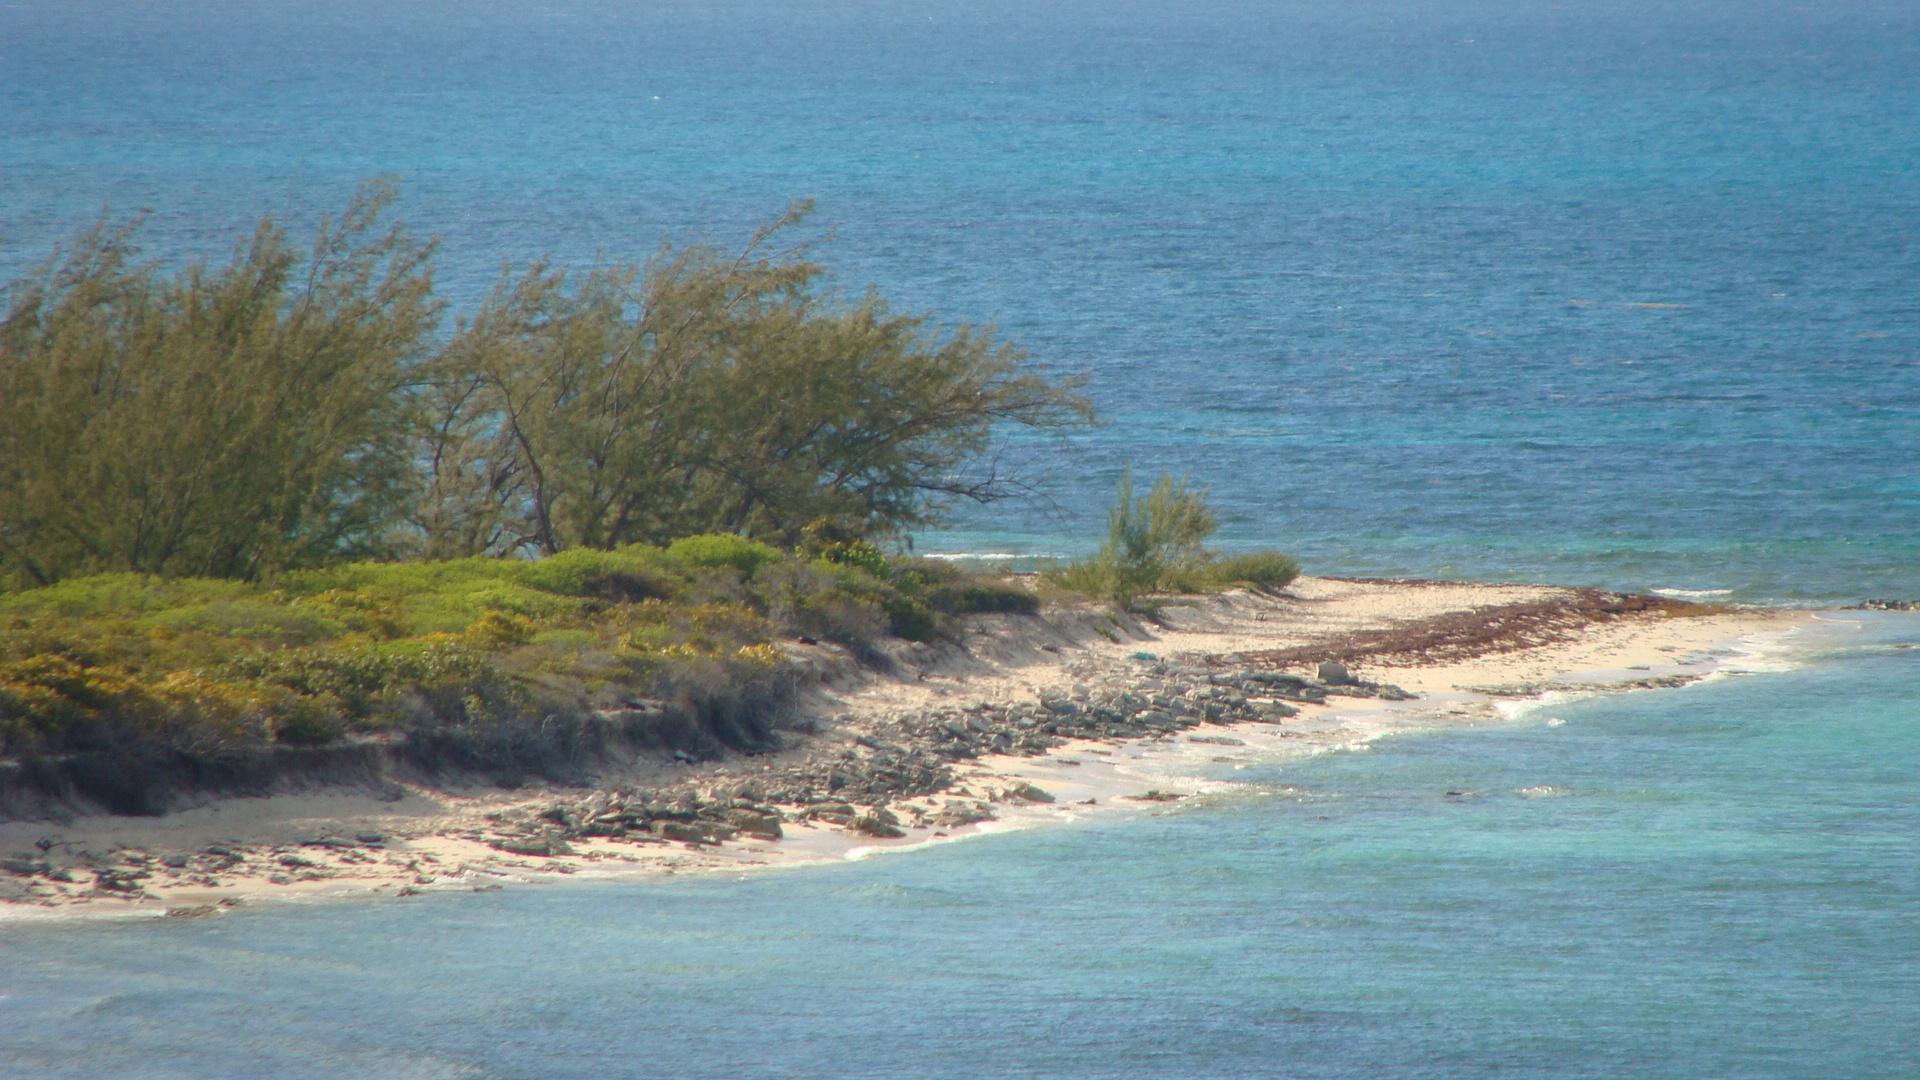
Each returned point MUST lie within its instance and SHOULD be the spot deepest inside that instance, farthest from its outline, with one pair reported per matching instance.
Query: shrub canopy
(281, 412)
(214, 422)
(710, 393)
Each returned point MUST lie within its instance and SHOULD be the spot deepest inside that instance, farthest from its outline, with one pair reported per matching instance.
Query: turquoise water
(1619, 293)
(1719, 881)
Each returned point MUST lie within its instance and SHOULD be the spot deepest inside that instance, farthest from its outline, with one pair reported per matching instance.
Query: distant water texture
(1719, 881)
(1617, 292)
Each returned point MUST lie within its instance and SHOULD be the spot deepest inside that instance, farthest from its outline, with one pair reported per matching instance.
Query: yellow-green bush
(1157, 543)
(384, 647)
(724, 549)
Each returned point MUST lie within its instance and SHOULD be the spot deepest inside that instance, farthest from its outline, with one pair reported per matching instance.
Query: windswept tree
(707, 392)
(281, 411)
(223, 422)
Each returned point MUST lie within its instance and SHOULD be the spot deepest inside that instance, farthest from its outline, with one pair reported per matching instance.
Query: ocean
(1616, 293)
(1613, 293)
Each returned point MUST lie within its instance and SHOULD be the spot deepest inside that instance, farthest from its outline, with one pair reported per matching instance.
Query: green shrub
(1156, 543)
(1254, 569)
(724, 549)
(910, 619)
(225, 421)
(631, 573)
(825, 600)
(980, 599)
(1149, 539)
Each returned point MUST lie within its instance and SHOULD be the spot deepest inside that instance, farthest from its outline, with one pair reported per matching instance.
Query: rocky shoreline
(912, 757)
(926, 754)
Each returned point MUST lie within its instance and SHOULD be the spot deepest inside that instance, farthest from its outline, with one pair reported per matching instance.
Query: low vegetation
(475, 645)
(1156, 543)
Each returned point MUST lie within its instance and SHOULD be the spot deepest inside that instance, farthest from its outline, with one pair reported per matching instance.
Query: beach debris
(1154, 795)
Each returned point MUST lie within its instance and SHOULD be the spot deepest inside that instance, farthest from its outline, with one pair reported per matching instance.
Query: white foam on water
(1691, 594)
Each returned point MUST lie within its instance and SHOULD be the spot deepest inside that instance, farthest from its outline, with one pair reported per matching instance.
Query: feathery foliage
(709, 393)
(1157, 543)
(283, 412)
(224, 422)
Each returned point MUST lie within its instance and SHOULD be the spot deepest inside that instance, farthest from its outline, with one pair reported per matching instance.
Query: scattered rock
(957, 812)
(873, 825)
(537, 846)
(679, 831)
(1028, 793)
(763, 826)
(117, 881)
(717, 831)
(1154, 796)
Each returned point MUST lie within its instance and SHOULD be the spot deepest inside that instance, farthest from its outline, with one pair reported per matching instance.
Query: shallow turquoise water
(1616, 293)
(1723, 880)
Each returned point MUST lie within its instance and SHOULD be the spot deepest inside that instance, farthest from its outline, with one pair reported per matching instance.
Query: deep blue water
(1720, 881)
(1619, 293)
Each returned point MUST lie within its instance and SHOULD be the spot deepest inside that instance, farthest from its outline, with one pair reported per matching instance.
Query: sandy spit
(1472, 653)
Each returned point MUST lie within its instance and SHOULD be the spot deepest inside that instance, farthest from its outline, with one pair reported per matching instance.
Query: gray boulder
(873, 825)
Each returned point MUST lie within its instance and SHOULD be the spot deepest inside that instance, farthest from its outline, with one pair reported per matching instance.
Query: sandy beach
(1215, 681)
